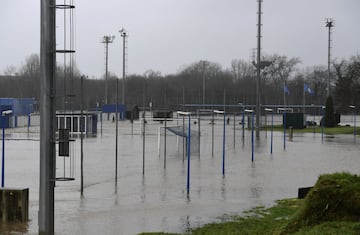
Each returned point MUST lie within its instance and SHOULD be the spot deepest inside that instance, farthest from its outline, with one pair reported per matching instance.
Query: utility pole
(106, 40)
(258, 67)
(329, 24)
(124, 35)
(47, 117)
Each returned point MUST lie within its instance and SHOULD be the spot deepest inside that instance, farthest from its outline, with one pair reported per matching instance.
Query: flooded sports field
(158, 200)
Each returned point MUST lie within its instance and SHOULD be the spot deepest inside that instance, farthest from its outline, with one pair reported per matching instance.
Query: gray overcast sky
(167, 34)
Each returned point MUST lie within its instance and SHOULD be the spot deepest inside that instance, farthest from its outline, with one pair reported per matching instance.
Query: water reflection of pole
(284, 118)
(234, 128)
(165, 142)
(353, 107)
(144, 121)
(101, 121)
(143, 132)
(252, 136)
(243, 125)
(199, 134)
(272, 132)
(252, 132)
(272, 128)
(183, 102)
(188, 156)
(313, 124)
(212, 134)
(223, 152)
(116, 132)
(322, 122)
(165, 114)
(183, 126)
(242, 122)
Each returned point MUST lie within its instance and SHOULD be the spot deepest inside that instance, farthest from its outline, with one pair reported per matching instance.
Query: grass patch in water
(337, 130)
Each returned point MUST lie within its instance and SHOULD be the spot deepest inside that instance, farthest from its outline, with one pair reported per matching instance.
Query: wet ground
(158, 201)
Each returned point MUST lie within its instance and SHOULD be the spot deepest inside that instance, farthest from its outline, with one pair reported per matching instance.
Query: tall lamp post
(329, 24)
(124, 35)
(106, 40)
(3, 114)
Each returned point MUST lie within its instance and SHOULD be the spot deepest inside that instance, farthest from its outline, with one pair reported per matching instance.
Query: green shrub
(334, 197)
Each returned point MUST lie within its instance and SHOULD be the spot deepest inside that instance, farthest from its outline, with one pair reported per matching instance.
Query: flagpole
(304, 102)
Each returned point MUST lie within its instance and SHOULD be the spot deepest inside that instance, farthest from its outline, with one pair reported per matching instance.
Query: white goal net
(172, 141)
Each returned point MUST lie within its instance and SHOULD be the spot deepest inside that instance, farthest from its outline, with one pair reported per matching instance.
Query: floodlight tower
(329, 24)
(47, 117)
(106, 40)
(124, 35)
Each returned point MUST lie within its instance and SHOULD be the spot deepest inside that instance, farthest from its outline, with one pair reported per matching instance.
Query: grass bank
(338, 130)
(331, 207)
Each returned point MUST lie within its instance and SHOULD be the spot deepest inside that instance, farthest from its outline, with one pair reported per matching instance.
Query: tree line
(202, 82)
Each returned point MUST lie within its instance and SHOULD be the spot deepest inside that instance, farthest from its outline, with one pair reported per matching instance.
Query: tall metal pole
(329, 24)
(47, 117)
(106, 40)
(258, 90)
(116, 133)
(82, 137)
(123, 34)
(124, 72)
(106, 70)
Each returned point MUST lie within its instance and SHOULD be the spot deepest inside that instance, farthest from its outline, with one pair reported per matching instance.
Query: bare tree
(241, 69)
(280, 69)
(10, 71)
(31, 68)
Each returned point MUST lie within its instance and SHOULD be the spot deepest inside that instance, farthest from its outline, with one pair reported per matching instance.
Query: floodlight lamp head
(352, 106)
(329, 22)
(123, 32)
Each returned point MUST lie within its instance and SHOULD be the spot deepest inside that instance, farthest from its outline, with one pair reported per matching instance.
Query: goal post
(175, 139)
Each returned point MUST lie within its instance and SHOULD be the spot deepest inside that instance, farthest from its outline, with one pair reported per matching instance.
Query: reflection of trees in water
(255, 187)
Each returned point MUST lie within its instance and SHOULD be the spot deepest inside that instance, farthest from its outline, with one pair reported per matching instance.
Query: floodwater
(158, 200)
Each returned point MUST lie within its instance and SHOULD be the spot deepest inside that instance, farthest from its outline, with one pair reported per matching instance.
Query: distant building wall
(19, 106)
